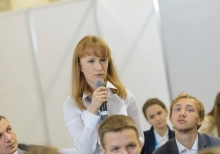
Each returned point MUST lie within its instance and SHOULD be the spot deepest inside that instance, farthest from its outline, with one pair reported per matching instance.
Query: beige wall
(6, 5)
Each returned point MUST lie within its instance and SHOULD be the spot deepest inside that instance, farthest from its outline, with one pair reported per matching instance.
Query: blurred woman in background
(215, 150)
(211, 123)
(156, 113)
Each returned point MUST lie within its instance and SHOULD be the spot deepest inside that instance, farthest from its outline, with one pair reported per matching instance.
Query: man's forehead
(3, 123)
(125, 133)
(186, 102)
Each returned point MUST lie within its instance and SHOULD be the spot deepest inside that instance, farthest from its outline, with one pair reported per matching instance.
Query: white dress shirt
(16, 152)
(82, 125)
(159, 139)
(184, 150)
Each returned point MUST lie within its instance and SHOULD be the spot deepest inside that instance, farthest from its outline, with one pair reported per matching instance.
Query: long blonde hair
(92, 45)
(215, 113)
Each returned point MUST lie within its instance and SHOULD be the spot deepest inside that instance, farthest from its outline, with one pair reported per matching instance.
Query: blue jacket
(204, 141)
(149, 145)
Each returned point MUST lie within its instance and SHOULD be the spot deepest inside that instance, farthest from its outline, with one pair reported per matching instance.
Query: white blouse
(83, 125)
(161, 140)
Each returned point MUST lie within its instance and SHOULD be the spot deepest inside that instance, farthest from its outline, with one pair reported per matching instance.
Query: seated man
(118, 134)
(8, 139)
(186, 115)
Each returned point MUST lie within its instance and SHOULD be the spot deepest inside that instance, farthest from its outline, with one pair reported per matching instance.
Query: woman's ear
(103, 151)
(200, 121)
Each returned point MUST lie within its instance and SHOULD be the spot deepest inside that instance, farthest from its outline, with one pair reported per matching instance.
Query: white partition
(35, 60)
(191, 35)
(19, 97)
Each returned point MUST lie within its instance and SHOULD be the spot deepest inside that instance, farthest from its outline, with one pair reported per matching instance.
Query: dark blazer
(149, 145)
(204, 141)
(27, 147)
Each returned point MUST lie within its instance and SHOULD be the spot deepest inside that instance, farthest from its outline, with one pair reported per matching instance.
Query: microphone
(103, 108)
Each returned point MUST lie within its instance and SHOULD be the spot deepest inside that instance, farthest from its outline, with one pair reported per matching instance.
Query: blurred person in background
(211, 123)
(215, 150)
(156, 113)
(92, 61)
(8, 138)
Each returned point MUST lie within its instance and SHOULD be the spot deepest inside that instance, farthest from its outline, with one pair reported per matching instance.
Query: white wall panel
(191, 42)
(19, 96)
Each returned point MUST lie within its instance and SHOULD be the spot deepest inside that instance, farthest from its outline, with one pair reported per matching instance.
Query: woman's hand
(100, 95)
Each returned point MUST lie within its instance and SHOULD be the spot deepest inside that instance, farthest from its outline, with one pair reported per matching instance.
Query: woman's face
(156, 116)
(93, 68)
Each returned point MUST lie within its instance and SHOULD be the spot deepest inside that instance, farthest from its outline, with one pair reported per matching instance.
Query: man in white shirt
(119, 134)
(8, 139)
(186, 115)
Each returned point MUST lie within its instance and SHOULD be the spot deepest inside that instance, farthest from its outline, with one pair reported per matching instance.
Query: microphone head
(99, 83)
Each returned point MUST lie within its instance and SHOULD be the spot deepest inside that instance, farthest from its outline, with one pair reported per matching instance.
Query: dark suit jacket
(27, 147)
(149, 145)
(204, 141)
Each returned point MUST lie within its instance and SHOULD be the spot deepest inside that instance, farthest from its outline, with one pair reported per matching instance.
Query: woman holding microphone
(92, 61)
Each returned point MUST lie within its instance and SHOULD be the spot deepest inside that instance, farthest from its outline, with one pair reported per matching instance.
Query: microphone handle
(104, 117)
(104, 111)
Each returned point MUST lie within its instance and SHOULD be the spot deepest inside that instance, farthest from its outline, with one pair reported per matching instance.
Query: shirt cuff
(91, 120)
